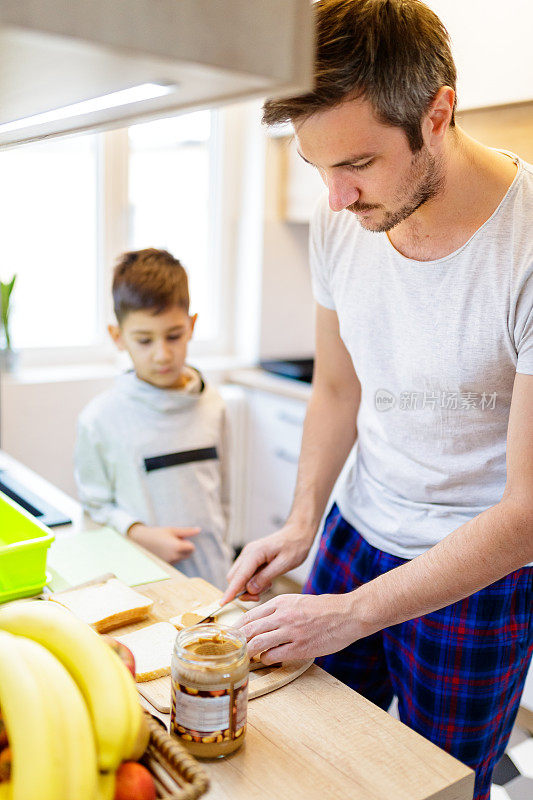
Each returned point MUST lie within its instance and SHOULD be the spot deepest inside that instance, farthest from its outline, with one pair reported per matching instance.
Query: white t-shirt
(436, 345)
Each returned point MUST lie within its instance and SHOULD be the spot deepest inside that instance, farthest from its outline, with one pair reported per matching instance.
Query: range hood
(197, 53)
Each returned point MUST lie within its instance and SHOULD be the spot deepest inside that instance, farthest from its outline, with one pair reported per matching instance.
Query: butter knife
(215, 608)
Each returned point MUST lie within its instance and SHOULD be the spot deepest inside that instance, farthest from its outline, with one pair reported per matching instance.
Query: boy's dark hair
(394, 53)
(149, 280)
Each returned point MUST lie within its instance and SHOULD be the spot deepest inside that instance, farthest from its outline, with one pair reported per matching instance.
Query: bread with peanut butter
(152, 649)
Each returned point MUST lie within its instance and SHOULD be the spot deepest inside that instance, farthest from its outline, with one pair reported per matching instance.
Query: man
(422, 269)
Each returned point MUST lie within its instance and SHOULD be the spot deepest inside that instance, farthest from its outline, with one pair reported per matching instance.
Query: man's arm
(330, 427)
(328, 436)
(478, 553)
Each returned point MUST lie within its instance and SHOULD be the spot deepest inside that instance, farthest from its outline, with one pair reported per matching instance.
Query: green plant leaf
(5, 306)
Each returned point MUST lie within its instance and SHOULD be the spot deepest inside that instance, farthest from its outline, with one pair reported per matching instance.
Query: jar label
(217, 715)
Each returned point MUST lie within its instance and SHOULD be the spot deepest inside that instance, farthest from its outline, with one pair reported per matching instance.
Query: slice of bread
(152, 649)
(107, 605)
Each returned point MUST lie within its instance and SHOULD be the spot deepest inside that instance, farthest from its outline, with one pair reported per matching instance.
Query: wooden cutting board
(174, 596)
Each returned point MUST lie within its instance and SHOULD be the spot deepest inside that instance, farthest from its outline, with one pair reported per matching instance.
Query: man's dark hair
(150, 280)
(394, 53)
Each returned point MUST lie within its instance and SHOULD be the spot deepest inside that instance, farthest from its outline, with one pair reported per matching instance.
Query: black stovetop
(300, 369)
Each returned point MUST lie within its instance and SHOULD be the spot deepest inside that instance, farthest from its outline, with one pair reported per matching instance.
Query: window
(48, 213)
(172, 200)
(63, 217)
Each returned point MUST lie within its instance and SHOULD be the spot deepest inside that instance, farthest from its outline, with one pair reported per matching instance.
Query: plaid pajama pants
(458, 672)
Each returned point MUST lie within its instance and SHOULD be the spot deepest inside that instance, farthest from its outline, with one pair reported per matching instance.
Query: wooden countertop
(314, 738)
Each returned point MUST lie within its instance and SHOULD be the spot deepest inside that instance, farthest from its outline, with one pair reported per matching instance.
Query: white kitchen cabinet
(491, 45)
(274, 438)
(301, 185)
(275, 426)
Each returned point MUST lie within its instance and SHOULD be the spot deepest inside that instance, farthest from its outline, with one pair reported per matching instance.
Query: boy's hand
(170, 544)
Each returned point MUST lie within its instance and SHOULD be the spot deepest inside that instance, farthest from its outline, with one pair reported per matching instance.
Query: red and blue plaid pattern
(458, 673)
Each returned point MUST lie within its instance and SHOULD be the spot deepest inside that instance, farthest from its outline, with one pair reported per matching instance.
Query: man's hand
(170, 544)
(299, 626)
(263, 560)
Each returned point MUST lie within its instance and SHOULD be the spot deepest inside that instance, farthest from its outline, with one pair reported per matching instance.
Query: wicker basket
(177, 775)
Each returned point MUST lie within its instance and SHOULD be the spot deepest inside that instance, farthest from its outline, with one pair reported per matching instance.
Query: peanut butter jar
(209, 671)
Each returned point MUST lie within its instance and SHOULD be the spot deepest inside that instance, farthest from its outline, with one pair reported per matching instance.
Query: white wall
(39, 410)
(287, 306)
(39, 420)
(274, 308)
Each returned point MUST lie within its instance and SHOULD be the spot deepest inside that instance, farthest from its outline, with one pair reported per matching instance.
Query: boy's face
(157, 344)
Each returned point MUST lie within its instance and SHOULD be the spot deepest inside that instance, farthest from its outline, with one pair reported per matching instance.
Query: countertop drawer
(277, 419)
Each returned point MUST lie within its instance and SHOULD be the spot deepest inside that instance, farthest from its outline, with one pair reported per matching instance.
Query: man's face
(368, 167)
(157, 344)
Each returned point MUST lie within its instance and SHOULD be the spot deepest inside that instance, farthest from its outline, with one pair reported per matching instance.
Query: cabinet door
(491, 45)
(268, 514)
(274, 440)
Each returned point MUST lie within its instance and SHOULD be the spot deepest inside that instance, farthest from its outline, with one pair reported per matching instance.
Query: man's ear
(437, 119)
(116, 334)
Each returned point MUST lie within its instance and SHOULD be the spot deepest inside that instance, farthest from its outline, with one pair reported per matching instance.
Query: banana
(36, 774)
(142, 742)
(6, 791)
(37, 659)
(75, 735)
(136, 714)
(106, 785)
(89, 660)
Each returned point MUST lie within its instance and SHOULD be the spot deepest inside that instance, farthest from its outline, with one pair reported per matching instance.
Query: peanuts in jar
(209, 674)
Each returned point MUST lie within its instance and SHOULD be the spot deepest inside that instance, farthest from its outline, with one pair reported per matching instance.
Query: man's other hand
(299, 626)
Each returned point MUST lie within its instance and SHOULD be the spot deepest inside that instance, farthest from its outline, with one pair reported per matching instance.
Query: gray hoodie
(158, 456)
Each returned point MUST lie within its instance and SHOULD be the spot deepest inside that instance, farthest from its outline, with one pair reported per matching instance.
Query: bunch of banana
(70, 705)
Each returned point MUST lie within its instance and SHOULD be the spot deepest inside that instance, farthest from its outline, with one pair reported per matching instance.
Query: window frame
(113, 225)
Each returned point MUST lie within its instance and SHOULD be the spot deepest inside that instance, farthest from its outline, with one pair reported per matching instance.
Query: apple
(134, 782)
(124, 652)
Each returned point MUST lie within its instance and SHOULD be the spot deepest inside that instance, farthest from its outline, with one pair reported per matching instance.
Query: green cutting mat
(79, 557)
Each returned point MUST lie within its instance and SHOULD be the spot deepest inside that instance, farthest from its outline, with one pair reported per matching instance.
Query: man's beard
(424, 180)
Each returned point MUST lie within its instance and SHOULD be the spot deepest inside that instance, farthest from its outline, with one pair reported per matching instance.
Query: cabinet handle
(279, 453)
(277, 521)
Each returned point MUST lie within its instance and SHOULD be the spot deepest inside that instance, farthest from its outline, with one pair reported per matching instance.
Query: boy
(150, 452)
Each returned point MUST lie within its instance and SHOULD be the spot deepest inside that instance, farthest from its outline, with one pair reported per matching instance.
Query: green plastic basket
(24, 544)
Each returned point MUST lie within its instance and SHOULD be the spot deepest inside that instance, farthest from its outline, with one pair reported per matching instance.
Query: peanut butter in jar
(209, 690)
